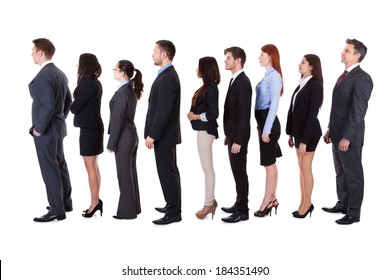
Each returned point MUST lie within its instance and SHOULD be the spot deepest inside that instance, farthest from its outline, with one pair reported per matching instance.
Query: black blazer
(123, 105)
(207, 103)
(302, 123)
(87, 103)
(349, 107)
(163, 116)
(51, 101)
(237, 110)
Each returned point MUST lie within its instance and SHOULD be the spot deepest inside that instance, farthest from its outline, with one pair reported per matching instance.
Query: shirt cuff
(203, 117)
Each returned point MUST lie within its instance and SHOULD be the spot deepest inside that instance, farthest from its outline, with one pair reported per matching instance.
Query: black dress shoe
(231, 210)
(347, 220)
(161, 209)
(335, 209)
(67, 208)
(167, 220)
(236, 217)
(50, 217)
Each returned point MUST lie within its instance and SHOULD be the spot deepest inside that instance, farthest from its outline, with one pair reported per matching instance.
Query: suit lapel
(299, 94)
(348, 76)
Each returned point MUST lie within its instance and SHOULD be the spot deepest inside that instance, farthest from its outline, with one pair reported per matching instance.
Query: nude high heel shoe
(201, 214)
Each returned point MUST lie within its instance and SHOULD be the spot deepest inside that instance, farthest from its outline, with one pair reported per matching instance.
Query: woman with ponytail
(123, 139)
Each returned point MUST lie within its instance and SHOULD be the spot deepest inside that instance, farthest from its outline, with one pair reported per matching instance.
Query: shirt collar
(303, 81)
(46, 63)
(350, 68)
(269, 70)
(163, 68)
(234, 76)
(123, 83)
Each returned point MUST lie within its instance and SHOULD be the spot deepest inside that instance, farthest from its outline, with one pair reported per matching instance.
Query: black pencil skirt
(271, 150)
(91, 141)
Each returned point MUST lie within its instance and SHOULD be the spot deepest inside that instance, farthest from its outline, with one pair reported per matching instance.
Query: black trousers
(349, 178)
(169, 176)
(54, 172)
(238, 166)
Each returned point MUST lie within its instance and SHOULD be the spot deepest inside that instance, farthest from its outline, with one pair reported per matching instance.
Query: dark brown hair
(43, 44)
(209, 72)
(237, 53)
(168, 47)
(315, 62)
(128, 68)
(89, 68)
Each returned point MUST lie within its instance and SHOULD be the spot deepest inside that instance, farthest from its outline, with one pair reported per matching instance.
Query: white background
(98, 248)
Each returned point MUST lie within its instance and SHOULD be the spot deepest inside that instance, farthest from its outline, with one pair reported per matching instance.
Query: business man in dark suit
(162, 129)
(236, 124)
(51, 103)
(346, 132)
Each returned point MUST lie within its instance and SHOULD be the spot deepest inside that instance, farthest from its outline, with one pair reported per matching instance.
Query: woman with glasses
(123, 140)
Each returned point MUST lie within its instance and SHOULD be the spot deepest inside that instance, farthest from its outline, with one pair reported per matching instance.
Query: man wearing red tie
(346, 132)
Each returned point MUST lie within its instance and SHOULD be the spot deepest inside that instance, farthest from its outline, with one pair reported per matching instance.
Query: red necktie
(342, 76)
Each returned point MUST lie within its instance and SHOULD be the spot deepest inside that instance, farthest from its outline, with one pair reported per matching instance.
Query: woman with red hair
(268, 92)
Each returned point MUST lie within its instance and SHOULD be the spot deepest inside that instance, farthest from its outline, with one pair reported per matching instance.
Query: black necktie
(342, 76)
(231, 81)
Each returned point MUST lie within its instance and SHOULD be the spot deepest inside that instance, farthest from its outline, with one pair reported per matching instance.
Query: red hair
(273, 52)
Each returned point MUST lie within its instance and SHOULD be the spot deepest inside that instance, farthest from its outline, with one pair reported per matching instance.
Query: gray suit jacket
(349, 107)
(122, 111)
(51, 101)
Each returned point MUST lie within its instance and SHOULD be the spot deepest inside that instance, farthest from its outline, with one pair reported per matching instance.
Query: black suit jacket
(302, 123)
(122, 111)
(349, 107)
(237, 110)
(87, 103)
(207, 103)
(163, 116)
(51, 101)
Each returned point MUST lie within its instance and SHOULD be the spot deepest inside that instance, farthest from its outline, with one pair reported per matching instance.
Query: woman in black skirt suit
(86, 108)
(123, 140)
(303, 126)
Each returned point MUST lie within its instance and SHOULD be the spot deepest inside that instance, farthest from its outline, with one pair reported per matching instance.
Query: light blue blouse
(268, 95)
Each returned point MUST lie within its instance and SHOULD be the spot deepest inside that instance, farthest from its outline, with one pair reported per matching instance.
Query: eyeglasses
(116, 70)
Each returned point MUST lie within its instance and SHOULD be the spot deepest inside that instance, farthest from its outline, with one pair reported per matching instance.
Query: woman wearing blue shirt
(268, 92)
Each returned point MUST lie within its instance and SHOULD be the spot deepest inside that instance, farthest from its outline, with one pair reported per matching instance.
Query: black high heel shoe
(99, 206)
(275, 206)
(297, 215)
(267, 210)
